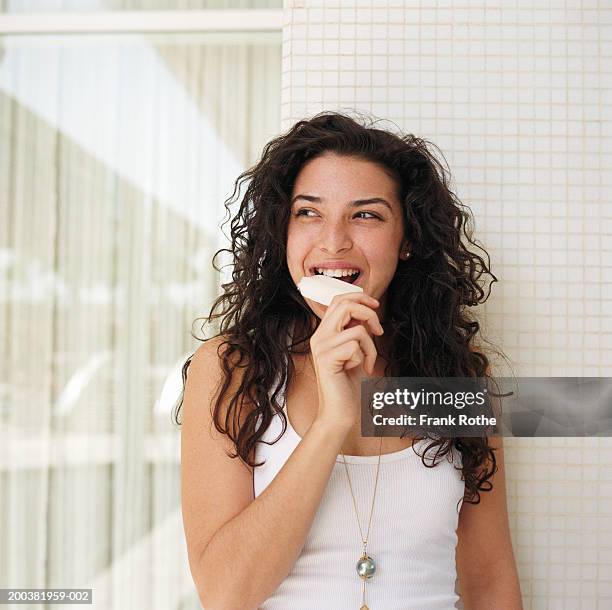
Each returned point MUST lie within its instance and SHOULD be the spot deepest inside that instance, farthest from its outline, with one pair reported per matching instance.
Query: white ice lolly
(323, 288)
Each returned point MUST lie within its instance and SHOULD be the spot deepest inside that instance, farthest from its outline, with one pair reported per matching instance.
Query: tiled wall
(517, 95)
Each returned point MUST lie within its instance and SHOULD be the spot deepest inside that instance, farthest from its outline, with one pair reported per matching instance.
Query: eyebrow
(354, 203)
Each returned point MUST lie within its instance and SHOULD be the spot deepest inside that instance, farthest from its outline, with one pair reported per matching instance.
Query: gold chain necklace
(366, 566)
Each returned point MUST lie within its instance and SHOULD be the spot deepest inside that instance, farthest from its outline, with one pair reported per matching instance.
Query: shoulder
(209, 352)
(205, 365)
(208, 358)
(207, 370)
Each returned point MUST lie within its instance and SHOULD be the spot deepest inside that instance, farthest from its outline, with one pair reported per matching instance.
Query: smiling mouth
(350, 279)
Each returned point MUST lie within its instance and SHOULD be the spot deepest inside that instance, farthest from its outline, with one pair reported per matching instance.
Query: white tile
(521, 110)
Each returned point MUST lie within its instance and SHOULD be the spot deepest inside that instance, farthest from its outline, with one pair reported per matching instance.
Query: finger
(355, 360)
(362, 297)
(351, 315)
(350, 354)
(359, 298)
(342, 317)
(356, 338)
(353, 323)
(367, 348)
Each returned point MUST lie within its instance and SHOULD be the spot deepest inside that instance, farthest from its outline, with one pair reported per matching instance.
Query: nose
(335, 238)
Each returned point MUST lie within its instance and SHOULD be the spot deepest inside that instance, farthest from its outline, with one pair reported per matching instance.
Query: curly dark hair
(430, 331)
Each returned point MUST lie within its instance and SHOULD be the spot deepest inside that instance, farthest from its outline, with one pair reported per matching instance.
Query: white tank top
(412, 536)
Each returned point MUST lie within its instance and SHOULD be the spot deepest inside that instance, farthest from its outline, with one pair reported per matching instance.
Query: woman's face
(330, 223)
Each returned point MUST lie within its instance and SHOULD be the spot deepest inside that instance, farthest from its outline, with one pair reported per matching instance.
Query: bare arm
(258, 548)
(240, 547)
(486, 566)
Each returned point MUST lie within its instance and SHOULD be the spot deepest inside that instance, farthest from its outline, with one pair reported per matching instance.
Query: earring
(406, 254)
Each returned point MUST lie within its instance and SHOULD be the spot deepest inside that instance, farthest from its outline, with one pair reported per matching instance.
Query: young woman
(285, 505)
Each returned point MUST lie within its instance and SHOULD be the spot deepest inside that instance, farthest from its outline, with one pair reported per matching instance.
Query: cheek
(379, 253)
(299, 238)
(296, 250)
(383, 261)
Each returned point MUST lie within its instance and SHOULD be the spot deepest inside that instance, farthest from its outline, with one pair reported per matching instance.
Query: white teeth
(336, 272)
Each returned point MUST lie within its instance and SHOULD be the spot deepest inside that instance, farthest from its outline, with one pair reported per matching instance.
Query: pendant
(365, 568)
(364, 607)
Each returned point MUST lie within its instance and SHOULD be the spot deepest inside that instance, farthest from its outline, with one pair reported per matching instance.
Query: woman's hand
(342, 348)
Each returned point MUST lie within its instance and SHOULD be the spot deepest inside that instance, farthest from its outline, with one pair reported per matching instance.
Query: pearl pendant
(365, 568)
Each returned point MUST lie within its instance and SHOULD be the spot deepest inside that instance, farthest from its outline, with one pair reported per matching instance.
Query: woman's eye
(370, 213)
(303, 211)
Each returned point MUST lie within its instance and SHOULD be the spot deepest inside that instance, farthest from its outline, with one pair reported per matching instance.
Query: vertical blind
(116, 155)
